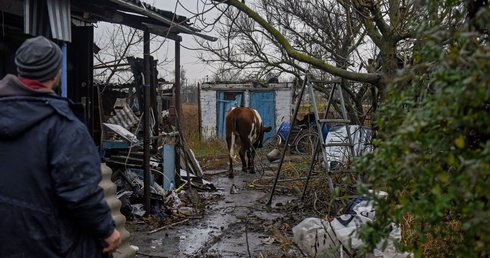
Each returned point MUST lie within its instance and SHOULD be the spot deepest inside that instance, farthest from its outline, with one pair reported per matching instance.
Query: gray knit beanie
(38, 59)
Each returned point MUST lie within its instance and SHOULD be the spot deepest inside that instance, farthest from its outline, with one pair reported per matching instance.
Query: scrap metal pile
(122, 147)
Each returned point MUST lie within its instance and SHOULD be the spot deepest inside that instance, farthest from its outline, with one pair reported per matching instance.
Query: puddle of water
(221, 232)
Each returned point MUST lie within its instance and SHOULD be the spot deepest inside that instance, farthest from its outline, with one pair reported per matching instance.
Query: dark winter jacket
(50, 201)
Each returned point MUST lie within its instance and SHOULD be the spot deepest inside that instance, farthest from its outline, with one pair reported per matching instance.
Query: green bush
(433, 151)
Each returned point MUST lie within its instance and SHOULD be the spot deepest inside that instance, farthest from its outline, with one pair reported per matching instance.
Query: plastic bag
(173, 200)
(314, 236)
(318, 237)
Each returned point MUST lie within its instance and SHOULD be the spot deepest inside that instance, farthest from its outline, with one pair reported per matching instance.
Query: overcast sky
(195, 70)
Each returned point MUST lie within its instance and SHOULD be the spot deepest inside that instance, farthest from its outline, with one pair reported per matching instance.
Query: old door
(265, 103)
(226, 100)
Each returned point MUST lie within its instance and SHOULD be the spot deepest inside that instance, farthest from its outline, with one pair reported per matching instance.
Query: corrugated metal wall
(49, 18)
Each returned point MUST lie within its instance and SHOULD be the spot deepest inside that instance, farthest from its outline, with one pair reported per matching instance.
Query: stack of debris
(123, 153)
(130, 187)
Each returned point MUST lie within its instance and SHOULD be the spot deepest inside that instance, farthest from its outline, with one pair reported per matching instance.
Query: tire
(305, 144)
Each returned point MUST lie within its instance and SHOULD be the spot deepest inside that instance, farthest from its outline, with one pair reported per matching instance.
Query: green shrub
(433, 151)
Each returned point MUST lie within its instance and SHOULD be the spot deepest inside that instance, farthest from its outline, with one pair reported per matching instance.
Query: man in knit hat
(50, 201)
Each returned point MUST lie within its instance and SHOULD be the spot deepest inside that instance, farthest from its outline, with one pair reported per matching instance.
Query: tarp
(361, 138)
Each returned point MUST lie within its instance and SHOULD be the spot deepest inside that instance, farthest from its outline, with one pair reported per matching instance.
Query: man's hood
(10, 85)
(22, 108)
(20, 114)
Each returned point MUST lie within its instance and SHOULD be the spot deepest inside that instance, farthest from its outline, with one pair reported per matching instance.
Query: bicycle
(302, 140)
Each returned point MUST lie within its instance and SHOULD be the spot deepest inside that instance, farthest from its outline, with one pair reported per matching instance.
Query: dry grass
(190, 122)
(433, 246)
(212, 153)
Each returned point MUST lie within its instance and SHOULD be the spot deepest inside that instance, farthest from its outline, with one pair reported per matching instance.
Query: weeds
(210, 153)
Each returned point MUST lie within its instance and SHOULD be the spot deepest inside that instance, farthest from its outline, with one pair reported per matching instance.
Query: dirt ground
(233, 221)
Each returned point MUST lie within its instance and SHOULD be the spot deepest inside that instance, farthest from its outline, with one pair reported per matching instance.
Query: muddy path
(234, 222)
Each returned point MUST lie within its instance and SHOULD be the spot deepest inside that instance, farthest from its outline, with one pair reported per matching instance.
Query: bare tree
(117, 43)
(325, 38)
(328, 31)
(322, 38)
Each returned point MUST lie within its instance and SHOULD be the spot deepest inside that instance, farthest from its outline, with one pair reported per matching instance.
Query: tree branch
(316, 62)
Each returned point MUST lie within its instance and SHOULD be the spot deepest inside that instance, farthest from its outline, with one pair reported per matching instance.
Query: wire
(160, 172)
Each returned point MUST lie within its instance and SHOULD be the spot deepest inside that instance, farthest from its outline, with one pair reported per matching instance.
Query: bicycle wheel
(305, 144)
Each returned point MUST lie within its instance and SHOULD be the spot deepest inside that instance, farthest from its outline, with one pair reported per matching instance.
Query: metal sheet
(60, 19)
(168, 165)
(129, 136)
(49, 18)
(152, 12)
(36, 18)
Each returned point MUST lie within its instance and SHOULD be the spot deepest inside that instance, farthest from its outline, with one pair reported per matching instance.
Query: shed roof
(53, 17)
(136, 14)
